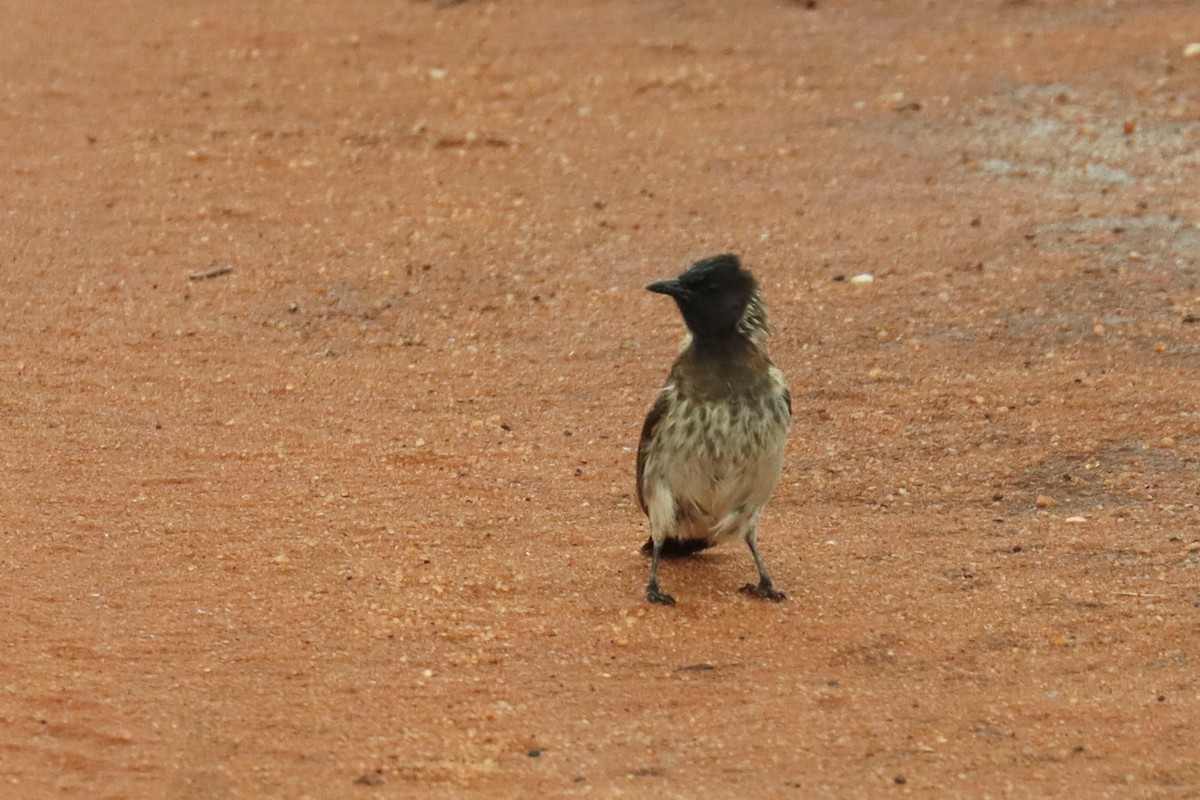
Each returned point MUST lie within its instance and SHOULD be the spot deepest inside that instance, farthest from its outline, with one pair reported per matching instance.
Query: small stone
(535, 752)
(1045, 501)
(1102, 173)
(1002, 168)
(864, 278)
(1160, 347)
(1075, 520)
(900, 780)
(1191, 50)
(369, 779)
(437, 74)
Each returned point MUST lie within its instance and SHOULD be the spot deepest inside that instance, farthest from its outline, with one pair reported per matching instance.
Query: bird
(712, 445)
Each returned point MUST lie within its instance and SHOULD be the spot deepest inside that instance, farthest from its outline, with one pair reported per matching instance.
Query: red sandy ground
(356, 519)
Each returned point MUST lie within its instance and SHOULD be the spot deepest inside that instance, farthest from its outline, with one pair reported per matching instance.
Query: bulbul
(711, 449)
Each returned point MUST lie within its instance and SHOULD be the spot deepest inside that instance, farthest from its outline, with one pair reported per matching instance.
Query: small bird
(711, 449)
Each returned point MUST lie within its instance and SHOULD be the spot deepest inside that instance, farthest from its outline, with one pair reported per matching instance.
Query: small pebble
(1191, 50)
(369, 779)
(1102, 173)
(1045, 501)
(1075, 520)
(535, 752)
(866, 277)
(900, 780)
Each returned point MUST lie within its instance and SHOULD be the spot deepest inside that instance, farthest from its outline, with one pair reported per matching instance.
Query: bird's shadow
(712, 568)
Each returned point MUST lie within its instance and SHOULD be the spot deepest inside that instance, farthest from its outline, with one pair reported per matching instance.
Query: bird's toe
(765, 591)
(656, 595)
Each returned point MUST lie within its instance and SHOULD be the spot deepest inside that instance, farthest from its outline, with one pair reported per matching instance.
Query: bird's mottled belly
(720, 460)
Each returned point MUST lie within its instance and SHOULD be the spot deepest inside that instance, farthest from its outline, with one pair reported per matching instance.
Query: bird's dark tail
(677, 548)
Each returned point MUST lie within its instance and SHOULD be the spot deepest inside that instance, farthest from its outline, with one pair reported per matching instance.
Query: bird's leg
(764, 589)
(653, 593)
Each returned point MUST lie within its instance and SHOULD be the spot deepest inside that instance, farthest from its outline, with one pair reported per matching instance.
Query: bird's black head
(716, 297)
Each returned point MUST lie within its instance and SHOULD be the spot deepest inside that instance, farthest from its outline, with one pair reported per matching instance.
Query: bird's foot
(656, 595)
(764, 590)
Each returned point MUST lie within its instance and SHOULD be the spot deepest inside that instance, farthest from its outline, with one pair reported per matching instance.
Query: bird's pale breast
(718, 458)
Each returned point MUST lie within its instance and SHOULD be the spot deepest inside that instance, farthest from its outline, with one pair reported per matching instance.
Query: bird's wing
(657, 412)
(781, 385)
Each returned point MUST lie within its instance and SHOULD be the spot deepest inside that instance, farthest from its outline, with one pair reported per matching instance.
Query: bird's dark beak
(672, 288)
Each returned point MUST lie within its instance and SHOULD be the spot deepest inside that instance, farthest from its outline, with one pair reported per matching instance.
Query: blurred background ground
(355, 517)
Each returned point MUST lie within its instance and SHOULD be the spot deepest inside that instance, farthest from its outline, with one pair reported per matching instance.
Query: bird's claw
(765, 591)
(656, 595)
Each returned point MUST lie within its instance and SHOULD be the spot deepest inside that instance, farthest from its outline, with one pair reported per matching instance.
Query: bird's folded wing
(653, 420)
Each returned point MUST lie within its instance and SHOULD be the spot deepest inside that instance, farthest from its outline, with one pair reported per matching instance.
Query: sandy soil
(356, 518)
